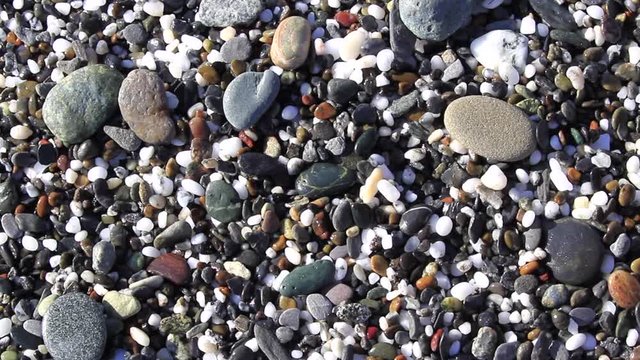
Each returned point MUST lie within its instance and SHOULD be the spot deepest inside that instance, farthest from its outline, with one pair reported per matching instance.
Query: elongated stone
(291, 41)
(324, 179)
(306, 279)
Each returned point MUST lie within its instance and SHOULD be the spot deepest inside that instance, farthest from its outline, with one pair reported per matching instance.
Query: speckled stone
(491, 128)
(221, 13)
(291, 41)
(81, 103)
(74, 328)
(569, 243)
(435, 19)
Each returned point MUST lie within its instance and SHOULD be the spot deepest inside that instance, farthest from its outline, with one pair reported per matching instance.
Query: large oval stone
(324, 179)
(491, 128)
(291, 41)
(82, 102)
(574, 251)
(222, 13)
(307, 279)
(624, 288)
(74, 328)
(222, 201)
(435, 19)
(249, 96)
(143, 107)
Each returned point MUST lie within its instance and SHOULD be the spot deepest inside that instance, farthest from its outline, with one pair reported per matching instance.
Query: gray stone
(81, 103)
(8, 196)
(453, 71)
(290, 318)
(222, 201)
(135, 34)
(435, 19)
(143, 106)
(103, 256)
(621, 246)
(383, 350)
(491, 128)
(125, 138)
(402, 106)
(74, 328)
(554, 14)
(249, 96)
(269, 344)
(583, 316)
(342, 219)
(222, 13)
(569, 243)
(318, 306)
(10, 226)
(237, 48)
(401, 39)
(284, 334)
(484, 343)
(506, 351)
(173, 234)
(324, 179)
(555, 296)
(355, 312)
(339, 293)
(33, 326)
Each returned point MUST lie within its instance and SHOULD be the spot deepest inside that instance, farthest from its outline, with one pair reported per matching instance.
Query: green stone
(82, 102)
(530, 106)
(9, 355)
(451, 304)
(176, 324)
(44, 304)
(383, 350)
(307, 279)
(377, 293)
(222, 201)
(8, 196)
(324, 179)
(366, 142)
(119, 305)
(577, 137)
(563, 82)
(136, 261)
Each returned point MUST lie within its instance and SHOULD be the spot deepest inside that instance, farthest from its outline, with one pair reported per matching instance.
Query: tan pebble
(369, 190)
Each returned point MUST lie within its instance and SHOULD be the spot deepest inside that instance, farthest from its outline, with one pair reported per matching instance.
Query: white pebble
(462, 290)
(193, 187)
(444, 225)
(96, 173)
(437, 250)
(575, 341)
(384, 59)
(494, 178)
(388, 190)
(139, 336)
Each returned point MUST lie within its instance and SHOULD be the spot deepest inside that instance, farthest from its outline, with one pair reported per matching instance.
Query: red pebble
(372, 331)
(246, 139)
(172, 267)
(435, 339)
(345, 18)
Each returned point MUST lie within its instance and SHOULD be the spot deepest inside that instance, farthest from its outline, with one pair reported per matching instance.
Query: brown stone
(42, 207)
(624, 288)
(324, 111)
(425, 282)
(172, 267)
(291, 41)
(199, 128)
(627, 195)
(270, 223)
(379, 265)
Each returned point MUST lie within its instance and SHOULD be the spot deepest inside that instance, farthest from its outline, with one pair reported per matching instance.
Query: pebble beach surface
(319, 179)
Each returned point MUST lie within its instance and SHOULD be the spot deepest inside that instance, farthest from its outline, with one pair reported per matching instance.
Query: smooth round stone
(172, 267)
(222, 201)
(74, 328)
(177, 232)
(222, 13)
(413, 220)
(624, 288)
(555, 296)
(237, 48)
(324, 179)
(569, 243)
(125, 138)
(383, 351)
(491, 128)
(82, 102)
(556, 15)
(318, 306)
(291, 41)
(306, 279)
(103, 256)
(499, 47)
(249, 96)
(120, 305)
(143, 107)
(435, 19)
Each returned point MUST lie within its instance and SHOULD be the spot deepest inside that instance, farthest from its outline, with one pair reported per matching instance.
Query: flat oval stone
(434, 19)
(74, 328)
(120, 306)
(249, 96)
(307, 279)
(624, 288)
(172, 267)
(569, 243)
(222, 13)
(82, 102)
(291, 41)
(491, 128)
(324, 179)
(222, 201)
(143, 107)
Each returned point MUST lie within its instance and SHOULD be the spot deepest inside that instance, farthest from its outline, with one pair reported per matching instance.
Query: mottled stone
(291, 41)
(172, 267)
(435, 19)
(222, 201)
(222, 13)
(82, 102)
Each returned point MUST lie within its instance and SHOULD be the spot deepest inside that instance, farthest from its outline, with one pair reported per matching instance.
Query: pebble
(121, 306)
(9, 196)
(555, 296)
(221, 13)
(501, 47)
(491, 128)
(494, 178)
(173, 234)
(569, 241)
(82, 102)
(291, 42)
(324, 179)
(104, 256)
(554, 14)
(306, 279)
(74, 328)
(237, 48)
(139, 336)
(222, 201)
(435, 19)
(269, 344)
(319, 306)
(144, 108)
(485, 343)
(624, 288)
(248, 97)
(172, 267)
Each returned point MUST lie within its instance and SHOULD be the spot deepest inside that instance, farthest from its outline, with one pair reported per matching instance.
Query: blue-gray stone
(222, 13)
(435, 19)
(249, 96)
(324, 179)
(222, 201)
(306, 279)
(82, 102)
(74, 328)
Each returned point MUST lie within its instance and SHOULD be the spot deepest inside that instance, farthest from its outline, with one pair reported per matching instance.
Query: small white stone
(73, 225)
(153, 8)
(306, 218)
(575, 341)
(437, 249)
(528, 25)
(230, 148)
(444, 225)
(144, 224)
(500, 46)
(352, 44)
(634, 54)
(293, 256)
(388, 190)
(482, 281)
(139, 336)
(462, 290)
(29, 243)
(595, 12)
(494, 178)
(5, 326)
(632, 337)
(576, 76)
(96, 173)
(192, 186)
(20, 132)
(384, 59)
